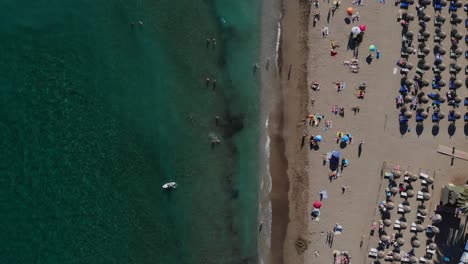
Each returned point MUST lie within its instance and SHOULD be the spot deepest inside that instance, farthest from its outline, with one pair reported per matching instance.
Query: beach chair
(466, 54)
(466, 70)
(430, 251)
(451, 116)
(413, 227)
(419, 117)
(465, 117)
(400, 209)
(403, 195)
(438, 7)
(397, 225)
(435, 118)
(466, 39)
(466, 23)
(420, 196)
(373, 253)
(403, 119)
(420, 216)
(453, 8)
(423, 176)
(466, 101)
(404, 5)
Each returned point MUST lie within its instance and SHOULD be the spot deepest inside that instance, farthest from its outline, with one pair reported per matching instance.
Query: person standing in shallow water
(207, 81)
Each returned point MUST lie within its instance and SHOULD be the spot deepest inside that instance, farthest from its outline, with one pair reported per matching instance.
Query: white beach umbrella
(355, 30)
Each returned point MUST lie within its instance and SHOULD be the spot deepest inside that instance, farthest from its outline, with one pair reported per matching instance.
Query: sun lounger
(423, 175)
(413, 227)
(451, 117)
(388, 258)
(419, 117)
(435, 70)
(422, 260)
(400, 209)
(420, 71)
(403, 195)
(435, 118)
(397, 224)
(465, 117)
(373, 253)
(420, 196)
(404, 5)
(403, 119)
(420, 216)
(430, 251)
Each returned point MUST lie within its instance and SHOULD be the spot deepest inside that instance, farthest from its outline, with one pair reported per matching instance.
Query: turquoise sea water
(96, 115)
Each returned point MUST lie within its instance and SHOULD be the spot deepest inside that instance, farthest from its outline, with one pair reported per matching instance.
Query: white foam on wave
(278, 41)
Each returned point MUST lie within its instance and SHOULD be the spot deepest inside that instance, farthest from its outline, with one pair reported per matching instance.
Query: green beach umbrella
(372, 48)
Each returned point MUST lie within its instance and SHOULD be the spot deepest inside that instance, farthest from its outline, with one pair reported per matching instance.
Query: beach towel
(324, 193)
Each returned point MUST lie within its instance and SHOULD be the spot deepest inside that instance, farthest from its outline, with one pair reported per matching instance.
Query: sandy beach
(295, 237)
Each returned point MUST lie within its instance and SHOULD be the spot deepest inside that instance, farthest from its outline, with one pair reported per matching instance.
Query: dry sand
(376, 124)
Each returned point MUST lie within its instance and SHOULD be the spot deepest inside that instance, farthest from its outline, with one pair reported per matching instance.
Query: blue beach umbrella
(336, 154)
(345, 139)
(318, 138)
(372, 48)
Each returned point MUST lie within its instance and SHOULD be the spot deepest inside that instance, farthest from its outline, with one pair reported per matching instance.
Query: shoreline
(285, 162)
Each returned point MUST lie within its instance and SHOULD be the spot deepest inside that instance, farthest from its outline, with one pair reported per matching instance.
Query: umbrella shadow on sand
(347, 21)
(419, 129)
(403, 128)
(435, 130)
(451, 129)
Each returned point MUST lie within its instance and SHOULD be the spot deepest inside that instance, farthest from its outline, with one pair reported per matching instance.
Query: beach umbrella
(430, 180)
(350, 11)
(394, 190)
(457, 83)
(426, 34)
(336, 154)
(455, 66)
(423, 212)
(426, 50)
(362, 27)
(410, 50)
(408, 98)
(389, 205)
(437, 218)
(406, 209)
(458, 36)
(408, 114)
(415, 243)
(345, 139)
(424, 114)
(409, 82)
(409, 66)
(427, 18)
(457, 115)
(397, 174)
(396, 257)
(419, 228)
(454, 15)
(432, 246)
(413, 259)
(355, 30)
(317, 204)
(442, 34)
(435, 230)
(372, 48)
(409, 34)
(441, 115)
(426, 66)
(441, 67)
(387, 222)
(457, 99)
(384, 238)
(413, 177)
(410, 193)
(381, 254)
(424, 99)
(442, 83)
(400, 241)
(426, 196)
(403, 225)
(318, 138)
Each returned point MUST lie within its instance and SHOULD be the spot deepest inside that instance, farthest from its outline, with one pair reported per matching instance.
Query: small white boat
(170, 185)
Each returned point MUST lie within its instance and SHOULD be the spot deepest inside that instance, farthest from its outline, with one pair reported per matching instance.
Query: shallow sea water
(96, 115)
